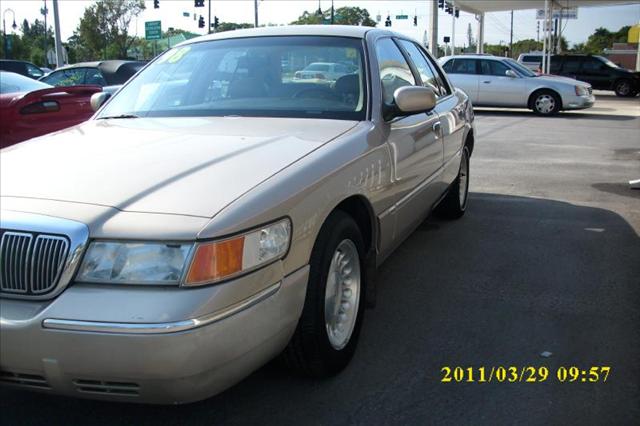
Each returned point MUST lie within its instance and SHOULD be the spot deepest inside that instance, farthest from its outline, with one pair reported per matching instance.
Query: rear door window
(68, 77)
(571, 65)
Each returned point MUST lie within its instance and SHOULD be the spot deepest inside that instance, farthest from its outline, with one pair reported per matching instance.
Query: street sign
(402, 16)
(153, 30)
(565, 13)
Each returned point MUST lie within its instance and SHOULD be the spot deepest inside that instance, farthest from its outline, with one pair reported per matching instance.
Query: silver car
(502, 82)
(213, 214)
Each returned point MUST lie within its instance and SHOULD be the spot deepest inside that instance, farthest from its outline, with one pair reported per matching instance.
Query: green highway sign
(402, 16)
(153, 30)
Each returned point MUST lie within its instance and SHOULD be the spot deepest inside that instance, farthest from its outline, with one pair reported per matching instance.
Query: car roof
(352, 31)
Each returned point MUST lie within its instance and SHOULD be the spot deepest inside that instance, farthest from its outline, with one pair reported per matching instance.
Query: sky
(284, 11)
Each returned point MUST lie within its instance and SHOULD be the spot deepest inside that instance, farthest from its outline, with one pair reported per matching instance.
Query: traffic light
(441, 4)
(201, 22)
(457, 14)
(156, 4)
(447, 8)
(415, 21)
(198, 3)
(216, 22)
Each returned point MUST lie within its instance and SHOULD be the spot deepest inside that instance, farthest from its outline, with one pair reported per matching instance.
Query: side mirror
(98, 99)
(511, 73)
(411, 100)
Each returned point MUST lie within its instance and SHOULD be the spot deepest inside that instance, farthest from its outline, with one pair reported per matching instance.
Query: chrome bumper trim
(163, 327)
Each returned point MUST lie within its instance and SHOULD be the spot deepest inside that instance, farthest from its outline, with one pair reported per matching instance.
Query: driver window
(427, 76)
(394, 69)
(494, 68)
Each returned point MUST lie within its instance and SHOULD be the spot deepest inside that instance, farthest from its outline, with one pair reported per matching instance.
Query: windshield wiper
(118, 116)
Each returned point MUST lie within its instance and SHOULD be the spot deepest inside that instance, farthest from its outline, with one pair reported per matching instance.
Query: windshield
(608, 62)
(520, 68)
(257, 77)
(15, 83)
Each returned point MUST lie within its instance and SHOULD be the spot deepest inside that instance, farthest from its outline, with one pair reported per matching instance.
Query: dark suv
(21, 67)
(600, 72)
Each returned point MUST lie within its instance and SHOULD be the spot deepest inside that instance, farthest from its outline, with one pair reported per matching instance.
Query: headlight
(218, 260)
(134, 263)
(165, 263)
(581, 91)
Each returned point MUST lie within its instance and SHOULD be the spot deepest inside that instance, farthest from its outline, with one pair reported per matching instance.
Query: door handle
(437, 127)
(487, 81)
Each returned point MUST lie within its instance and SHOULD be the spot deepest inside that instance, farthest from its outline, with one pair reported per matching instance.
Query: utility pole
(255, 7)
(45, 12)
(56, 23)
(453, 28)
(332, 13)
(209, 20)
(554, 44)
(433, 43)
(511, 38)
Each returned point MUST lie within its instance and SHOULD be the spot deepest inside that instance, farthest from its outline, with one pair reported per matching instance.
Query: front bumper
(175, 361)
(578, 102)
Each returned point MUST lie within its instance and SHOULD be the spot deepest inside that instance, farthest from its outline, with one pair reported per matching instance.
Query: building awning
(482, 6)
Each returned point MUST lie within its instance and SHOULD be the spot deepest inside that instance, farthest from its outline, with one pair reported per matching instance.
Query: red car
(30, 108)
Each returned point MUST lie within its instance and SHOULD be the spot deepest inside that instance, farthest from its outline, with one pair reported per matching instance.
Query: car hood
(548, 78)
(186, 166)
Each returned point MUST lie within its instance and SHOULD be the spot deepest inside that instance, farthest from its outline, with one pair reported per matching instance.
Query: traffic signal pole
(209, 20)
(453, 28)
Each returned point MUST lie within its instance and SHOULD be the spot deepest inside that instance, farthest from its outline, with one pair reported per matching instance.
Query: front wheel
(546, 102)
(327, 332)
(454, 204)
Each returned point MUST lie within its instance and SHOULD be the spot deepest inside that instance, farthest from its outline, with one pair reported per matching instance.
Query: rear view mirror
(98, 99)
(511, 73)
(412, 100)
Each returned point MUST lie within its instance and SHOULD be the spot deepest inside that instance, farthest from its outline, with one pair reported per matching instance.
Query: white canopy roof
(480, 6)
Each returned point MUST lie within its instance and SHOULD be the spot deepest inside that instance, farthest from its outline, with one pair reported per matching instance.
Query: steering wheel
(316, 92)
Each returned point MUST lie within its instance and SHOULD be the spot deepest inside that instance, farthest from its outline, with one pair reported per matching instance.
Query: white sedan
(502, 82)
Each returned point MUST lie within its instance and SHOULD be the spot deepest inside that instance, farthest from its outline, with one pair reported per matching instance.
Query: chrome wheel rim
(342, 294)
(545, 104)
(624, 88)
(464, 180)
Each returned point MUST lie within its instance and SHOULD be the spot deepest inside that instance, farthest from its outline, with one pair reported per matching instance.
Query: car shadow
(515, 277)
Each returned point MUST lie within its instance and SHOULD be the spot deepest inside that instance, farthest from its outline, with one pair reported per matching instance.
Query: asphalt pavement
(547, 259)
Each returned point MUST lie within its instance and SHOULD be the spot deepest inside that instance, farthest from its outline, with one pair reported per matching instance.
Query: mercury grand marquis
(216, 213)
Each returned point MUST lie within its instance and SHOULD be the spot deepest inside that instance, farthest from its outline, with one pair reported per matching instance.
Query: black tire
(451, 206)
(542, 99)
(623, 88)
(310, 353)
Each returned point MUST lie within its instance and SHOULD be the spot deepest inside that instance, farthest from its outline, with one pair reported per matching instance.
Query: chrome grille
(31, 264)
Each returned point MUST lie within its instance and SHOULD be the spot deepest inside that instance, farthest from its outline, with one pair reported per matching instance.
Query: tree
(342, 16)
(230, 26)
(602, 38)
(104, 28)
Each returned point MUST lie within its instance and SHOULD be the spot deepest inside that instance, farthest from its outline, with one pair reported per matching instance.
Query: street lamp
(4, 28)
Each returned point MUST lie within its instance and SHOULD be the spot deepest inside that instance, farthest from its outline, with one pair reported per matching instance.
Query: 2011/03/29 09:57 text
(525, 374)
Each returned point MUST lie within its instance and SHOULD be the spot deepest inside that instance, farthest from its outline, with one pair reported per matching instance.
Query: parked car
(30, 108)
(531, 60)
(21, 67)
(322, 71)
(502, 82)
(598, 71)
(104, 73)
(185, 236)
